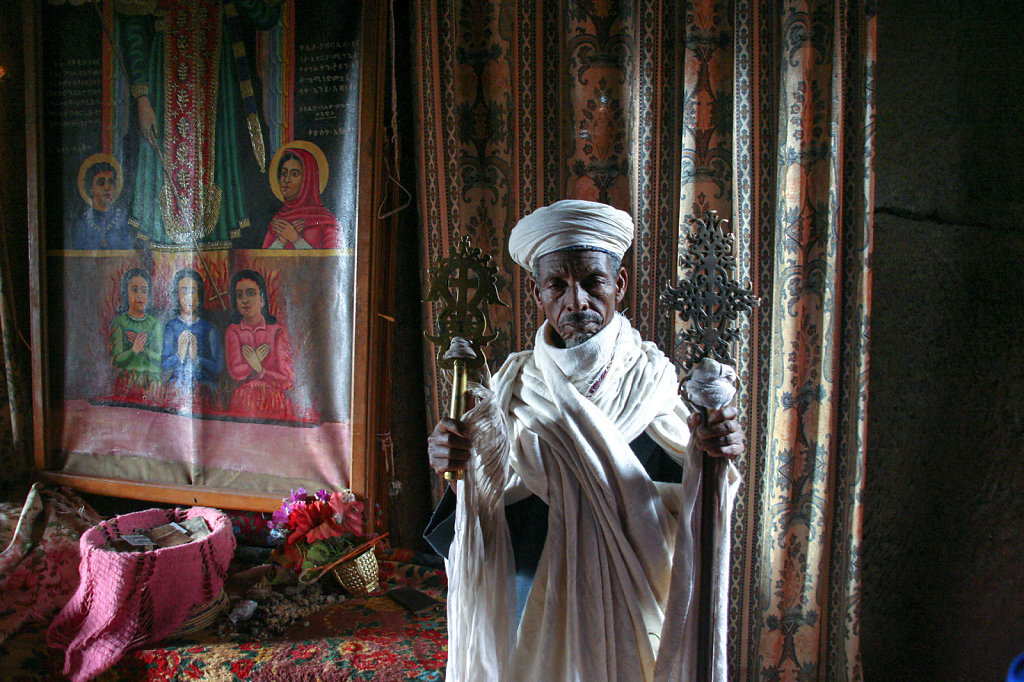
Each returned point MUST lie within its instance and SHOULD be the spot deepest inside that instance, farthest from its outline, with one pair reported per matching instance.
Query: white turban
(570, 224)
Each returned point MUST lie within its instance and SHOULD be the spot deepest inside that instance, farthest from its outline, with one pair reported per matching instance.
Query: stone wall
(944, 514)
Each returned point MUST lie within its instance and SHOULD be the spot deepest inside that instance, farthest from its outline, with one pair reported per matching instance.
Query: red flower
(312, 522)
(348, 511)
(306, 521)
(303, 651)
(243, 668)
(377, 660)
(292, 557)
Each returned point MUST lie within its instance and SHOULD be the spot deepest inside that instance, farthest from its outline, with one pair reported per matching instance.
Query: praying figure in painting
(192, 350)
(102, 225)
(258, 351)
(136, 337)
(582, 469)
(303, 222)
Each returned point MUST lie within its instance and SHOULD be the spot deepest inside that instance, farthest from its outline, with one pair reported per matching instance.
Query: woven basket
(358, 576)
(202, 616)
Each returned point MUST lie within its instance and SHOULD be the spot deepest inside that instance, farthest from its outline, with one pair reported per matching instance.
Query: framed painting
(204, 179)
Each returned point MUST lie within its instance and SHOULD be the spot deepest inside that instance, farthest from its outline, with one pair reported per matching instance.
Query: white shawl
(614, 597)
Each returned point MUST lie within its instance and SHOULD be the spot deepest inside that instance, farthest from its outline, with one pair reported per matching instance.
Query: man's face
(249, 300)
(102, 190)
(578, 292)
(138, 296)
(188, 295)
(290, 179)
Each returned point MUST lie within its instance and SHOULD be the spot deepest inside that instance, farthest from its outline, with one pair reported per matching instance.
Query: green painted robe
(144, 366)
(196, 97)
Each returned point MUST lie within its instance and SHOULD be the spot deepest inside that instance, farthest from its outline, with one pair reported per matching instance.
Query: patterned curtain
(525, 103)
(15, 412)
(759, 110)
(15, 355)
(803, 202)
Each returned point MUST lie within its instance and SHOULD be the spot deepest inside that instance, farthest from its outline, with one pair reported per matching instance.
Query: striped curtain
(803, 205)
(524, 103)
(759, 110)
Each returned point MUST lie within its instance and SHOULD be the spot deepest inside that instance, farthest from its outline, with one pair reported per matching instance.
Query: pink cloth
(129, 599)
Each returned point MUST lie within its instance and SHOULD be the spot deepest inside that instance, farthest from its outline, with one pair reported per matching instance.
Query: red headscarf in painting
(321, 227)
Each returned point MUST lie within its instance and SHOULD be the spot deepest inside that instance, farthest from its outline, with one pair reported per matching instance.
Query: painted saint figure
(258, 351)
(135, 334)
(191, 349)
(102, 225)
(197, 103)
(303, 222)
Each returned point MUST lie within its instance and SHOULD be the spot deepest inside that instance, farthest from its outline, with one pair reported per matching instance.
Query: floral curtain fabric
(521, 104)
(803, 204)
(761, 111)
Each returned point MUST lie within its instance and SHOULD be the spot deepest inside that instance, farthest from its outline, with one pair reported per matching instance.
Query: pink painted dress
(260, 394)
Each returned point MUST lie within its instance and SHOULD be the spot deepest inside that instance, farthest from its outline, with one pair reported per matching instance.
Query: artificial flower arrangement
(317, 530)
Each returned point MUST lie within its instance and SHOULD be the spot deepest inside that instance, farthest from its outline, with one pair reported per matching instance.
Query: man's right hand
(448, 446)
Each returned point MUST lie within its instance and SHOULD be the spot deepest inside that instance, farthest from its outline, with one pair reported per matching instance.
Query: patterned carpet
(358, 638)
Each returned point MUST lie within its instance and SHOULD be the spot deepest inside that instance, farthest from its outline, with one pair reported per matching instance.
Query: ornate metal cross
(465, 283)
(708, 297)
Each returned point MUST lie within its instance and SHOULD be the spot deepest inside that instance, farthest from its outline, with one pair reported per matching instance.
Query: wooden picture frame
(57, 270)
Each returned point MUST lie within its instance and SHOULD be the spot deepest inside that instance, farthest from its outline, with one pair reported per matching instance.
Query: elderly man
(568, 446)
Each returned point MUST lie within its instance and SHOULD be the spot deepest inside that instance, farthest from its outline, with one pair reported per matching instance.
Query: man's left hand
(721, 435)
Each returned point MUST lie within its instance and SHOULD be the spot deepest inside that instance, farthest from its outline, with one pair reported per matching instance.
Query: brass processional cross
(711, 301)
(465, 284)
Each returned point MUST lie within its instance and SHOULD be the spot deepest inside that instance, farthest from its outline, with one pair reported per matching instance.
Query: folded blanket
(39, 564)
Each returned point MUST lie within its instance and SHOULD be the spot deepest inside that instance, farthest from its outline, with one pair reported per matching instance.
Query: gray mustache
(583, 317)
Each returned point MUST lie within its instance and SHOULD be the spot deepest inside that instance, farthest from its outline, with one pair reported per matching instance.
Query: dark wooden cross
(707, 297)
(711, 301)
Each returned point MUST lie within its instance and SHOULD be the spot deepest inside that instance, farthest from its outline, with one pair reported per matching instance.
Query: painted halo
(89, 163)
(318, 154)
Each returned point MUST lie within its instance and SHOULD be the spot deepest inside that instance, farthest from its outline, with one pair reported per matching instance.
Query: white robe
(614, 596)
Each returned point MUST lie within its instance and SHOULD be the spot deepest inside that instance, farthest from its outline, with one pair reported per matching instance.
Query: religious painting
(198, 234)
